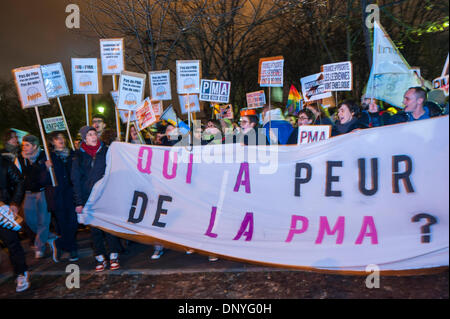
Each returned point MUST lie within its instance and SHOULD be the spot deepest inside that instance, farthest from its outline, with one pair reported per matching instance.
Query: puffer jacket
(12, 185)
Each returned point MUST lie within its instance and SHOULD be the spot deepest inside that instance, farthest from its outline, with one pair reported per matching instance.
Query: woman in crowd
(88, 167)
(60, 198)
(347, 118)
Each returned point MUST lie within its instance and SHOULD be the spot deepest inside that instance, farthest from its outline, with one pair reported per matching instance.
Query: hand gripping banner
(375, 196)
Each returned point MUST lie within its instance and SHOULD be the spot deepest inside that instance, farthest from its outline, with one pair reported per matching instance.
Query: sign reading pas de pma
(131, 90)
(54, 80)
(160, 85)
(188, 76)
(30, 86)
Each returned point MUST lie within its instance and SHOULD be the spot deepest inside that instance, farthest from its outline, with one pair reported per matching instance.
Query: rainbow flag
(294, 104)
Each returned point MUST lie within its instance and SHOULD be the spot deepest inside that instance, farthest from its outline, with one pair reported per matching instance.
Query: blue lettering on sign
(206, 87)
(215, 87)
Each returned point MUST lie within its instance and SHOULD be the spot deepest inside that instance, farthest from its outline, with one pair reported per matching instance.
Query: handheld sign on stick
(31, 88)
(86, 79)
(270, 74)
(131, 93)
(113, 62)
(56, 86)
(188, 82)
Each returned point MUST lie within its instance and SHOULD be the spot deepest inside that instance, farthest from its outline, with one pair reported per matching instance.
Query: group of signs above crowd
(39, 83)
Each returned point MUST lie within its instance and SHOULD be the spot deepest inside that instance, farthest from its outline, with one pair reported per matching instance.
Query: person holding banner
(12, 190)
(347, 118)
(60, 198)
(35, 170)
(88, 167)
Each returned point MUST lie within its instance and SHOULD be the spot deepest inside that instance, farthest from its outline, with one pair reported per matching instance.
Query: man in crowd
(12, 147)
(98, 122)
(34, 169)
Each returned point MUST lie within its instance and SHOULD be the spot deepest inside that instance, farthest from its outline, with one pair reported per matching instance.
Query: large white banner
(375, 196)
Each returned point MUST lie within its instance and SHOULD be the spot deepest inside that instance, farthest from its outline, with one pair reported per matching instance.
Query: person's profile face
(28, 148)
(14, 140)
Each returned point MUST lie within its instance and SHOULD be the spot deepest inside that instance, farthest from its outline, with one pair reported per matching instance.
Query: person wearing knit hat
(88, 168)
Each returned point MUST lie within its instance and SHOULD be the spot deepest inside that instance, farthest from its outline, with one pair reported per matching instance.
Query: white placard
(54, 80)
(160, 85)
(53, 124)
(85, 76)
(256, 99)
(194, 103)
(338, 76)
(188, 76)
(313, 88)
(145, 115)
(215, 91)
(313, 133)
(112, 55)
(131, 90)
(271, 72)
(30, 86)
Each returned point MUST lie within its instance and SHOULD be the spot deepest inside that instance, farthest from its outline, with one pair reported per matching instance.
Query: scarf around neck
(91, 150)
(32, 157)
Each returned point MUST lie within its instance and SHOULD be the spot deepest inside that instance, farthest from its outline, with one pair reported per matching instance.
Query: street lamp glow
(100, 109)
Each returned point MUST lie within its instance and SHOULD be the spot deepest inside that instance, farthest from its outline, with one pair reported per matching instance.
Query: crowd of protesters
(26, 186)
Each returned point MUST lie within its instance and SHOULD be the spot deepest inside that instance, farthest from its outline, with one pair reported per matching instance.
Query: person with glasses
(304, 117)
(98, 122)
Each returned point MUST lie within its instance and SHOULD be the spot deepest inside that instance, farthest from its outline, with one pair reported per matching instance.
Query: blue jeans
(38, 218)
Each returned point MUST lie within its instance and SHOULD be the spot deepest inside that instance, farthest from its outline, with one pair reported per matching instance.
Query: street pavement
(134, 260)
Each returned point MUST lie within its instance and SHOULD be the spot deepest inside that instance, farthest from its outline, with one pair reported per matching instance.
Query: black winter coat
(61, 196)
(36, 175)
(12, 188)
(86, 171)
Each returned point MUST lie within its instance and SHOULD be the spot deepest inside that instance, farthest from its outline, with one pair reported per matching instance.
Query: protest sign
(188, 76)
(157, 108)
(270, 72)
(160, 85)
(215, 91)
(8, 220)
(194, 104)
(145, 115)
(30, 86)
(112, 56)
(441, 83)
(86, 76)
(123, 114)
(338, 76)
(313, 133)
(256, 99)
(346, 202)
(131, 90)
(53, 124)
(313, 87)
(226, 112)
(54, 80)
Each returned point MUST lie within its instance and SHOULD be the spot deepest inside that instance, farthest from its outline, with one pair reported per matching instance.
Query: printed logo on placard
(160, 91)
(85, 81)
(130, 99)
(33, 94)
(189, 84)
(112, 65)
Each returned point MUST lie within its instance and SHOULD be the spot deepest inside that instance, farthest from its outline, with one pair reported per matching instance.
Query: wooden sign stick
(47, 154)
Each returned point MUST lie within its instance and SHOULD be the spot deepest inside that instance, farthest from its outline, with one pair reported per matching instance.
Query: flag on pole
(170, 116)
(294, 104)
(390, 76)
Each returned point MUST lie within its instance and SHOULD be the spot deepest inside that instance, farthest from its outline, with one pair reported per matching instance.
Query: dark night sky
(34, 32)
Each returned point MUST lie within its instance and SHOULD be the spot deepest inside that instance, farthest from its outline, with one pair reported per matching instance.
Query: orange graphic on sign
(34, 96)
